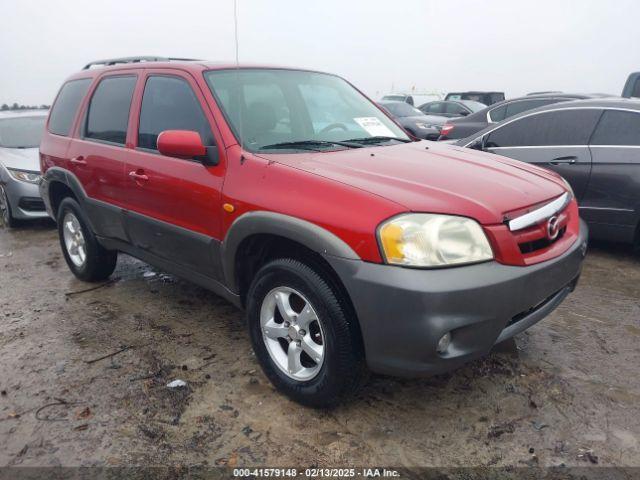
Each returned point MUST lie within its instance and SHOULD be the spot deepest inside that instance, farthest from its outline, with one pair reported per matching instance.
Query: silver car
(20, 133)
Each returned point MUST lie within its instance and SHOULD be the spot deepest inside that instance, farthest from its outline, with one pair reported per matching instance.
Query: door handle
(138, 176)
(79, 160)
(569, 159)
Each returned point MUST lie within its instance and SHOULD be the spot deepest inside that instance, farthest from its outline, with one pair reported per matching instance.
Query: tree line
(16, 106)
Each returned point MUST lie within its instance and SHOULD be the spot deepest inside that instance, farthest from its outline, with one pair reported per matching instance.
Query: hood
(431, 177)
(20, 158)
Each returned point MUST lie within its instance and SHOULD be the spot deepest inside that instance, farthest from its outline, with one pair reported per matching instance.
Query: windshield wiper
(308, 144)
(377, 139)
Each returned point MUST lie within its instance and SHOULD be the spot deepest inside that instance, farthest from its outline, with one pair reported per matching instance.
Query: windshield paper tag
(374, 127)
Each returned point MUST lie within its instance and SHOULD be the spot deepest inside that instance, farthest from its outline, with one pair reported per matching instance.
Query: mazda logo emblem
(553, 228)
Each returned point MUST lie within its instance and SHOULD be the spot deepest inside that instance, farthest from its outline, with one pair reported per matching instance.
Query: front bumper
(24, 199)
(403, 312)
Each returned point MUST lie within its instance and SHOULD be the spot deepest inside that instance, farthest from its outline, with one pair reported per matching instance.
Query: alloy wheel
(4, 206)
(292, 333)
(74, 240)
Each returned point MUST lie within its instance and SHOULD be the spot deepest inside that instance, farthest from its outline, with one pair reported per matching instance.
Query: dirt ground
(565, 392)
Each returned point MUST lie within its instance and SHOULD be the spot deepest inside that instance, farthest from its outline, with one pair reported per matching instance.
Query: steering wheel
(333, 126)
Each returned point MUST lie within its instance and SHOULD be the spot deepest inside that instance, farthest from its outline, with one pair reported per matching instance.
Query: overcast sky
(512, 46)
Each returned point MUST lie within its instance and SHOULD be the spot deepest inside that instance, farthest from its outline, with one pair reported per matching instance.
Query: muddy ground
(565, 392)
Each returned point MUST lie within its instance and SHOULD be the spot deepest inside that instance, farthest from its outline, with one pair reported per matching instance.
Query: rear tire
(329, 366)
(87, 259)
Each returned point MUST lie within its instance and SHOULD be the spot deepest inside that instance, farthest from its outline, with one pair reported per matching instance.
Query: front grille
(540, 243)
(31, 204)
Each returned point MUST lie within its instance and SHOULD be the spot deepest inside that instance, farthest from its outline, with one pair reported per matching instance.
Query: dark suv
(292, 195)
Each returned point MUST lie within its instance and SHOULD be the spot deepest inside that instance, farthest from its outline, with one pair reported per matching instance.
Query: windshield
(267, 107)
(21, 132)
(402, 109)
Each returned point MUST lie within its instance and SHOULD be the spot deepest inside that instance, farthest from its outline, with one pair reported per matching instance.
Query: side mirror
(463, 113)
(186, 144)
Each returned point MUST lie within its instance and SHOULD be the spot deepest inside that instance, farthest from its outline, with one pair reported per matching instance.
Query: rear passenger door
(174, 203)
(97, 158)
(613, 195)
(555, 139)
(454, 109)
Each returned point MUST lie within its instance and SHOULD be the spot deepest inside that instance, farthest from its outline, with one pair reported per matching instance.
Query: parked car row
(414, 121)
(451, 108)
(463, 127)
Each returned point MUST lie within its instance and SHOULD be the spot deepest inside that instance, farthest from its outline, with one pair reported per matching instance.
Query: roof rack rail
(114, 61)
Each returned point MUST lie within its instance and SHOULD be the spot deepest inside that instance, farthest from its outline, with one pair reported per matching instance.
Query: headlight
(25, 176)
(430, 240)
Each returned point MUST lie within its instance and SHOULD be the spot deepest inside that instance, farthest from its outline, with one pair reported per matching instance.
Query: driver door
(556, 139)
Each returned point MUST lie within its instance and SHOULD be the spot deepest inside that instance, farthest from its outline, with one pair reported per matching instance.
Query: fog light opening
(444, 343)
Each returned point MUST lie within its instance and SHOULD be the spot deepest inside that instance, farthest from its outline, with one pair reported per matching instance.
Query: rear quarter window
(64, 109)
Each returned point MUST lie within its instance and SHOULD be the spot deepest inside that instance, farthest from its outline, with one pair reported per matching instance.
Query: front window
(271, 109)
(168, 103)
(21, 132)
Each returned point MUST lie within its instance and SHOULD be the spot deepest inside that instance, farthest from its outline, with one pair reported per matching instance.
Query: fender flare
(301, 231)
(68, 179)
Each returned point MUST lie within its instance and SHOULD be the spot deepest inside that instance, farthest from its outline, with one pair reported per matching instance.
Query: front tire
(87, 259)
(5, 210)
(302, 336)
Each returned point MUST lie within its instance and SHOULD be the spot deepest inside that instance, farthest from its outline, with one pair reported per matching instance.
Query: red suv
(351, 246)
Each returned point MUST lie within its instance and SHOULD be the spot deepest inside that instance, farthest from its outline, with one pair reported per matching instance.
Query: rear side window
(617, 128)
(108, 113)
(519, 107)
(435, 107)
(561, 127)
(64, 110)
(168, 103)
(455, 109)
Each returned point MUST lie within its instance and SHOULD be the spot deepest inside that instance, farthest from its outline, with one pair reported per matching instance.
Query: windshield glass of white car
(21, 132)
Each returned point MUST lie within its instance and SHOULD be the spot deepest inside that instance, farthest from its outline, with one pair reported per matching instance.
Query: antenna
(238, 86)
